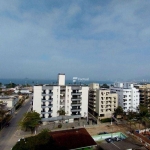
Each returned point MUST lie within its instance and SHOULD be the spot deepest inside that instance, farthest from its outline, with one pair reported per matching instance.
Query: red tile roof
(74, 138)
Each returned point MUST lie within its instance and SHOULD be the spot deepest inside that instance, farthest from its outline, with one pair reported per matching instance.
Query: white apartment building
(102, 102)
(128, 96)
(10, 101)
(48, 99)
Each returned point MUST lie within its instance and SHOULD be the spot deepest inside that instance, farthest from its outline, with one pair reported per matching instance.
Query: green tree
(118, 111)
(142, 115)
(30, 121)
(130, 116)
(11, 85)
(43, 140)
(105, 86)
(61, 113)
(143, 110)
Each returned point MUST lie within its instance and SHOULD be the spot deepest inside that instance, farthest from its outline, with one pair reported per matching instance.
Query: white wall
(61, 79)
(68, 100)
(84, 102)
(129, 92)
(37, 97)
(56, 100)
(94, 86)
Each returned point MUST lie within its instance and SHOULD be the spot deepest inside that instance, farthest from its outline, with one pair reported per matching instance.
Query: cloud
(96, 39)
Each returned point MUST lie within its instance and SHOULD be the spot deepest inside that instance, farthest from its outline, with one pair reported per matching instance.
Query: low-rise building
(11, 102)
(26, 90)
(75, 139)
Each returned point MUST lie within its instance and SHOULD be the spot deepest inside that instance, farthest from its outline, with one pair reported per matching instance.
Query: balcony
(49, 106)
(62, 97)
(75, 104)
(49, 100)
(75, 110)
(62, 92)
(76, 99)
(92, 96)
(44, 94)
(108, 110)
(62, 103)
(76, 116)
(78, 93)
(91, 100)
(44, 112)
(103, 104)
(92, 106)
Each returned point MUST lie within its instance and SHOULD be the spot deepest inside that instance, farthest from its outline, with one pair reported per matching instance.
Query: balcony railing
(44, 112)
(76, 99)
(49, 100)
(75, 104)
(44, 94)
(78, 93)
(75, 109)
(76, 115)
(62, 103)
(49, 106)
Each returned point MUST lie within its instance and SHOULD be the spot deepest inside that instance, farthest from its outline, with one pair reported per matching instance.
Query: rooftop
(7, 97)
(77, 85)
(74, 138)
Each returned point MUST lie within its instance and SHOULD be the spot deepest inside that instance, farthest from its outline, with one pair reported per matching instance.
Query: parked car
(102, 133)
(117, 139)
(109, 140)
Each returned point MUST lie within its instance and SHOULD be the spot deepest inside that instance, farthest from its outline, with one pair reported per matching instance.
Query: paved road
(7, 135)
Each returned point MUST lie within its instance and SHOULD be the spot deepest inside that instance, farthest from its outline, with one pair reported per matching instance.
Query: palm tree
(62, 113)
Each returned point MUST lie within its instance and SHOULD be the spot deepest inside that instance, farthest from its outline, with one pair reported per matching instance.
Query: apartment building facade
(73, 99)
(102, 102)
(144, 91)
(128, 96)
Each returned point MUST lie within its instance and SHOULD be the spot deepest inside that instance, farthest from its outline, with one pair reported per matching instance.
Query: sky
(95, 39)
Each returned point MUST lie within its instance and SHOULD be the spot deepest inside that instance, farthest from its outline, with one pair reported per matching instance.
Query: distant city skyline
(99, 40)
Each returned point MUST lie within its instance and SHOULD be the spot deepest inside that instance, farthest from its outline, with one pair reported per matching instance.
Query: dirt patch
(107, 128)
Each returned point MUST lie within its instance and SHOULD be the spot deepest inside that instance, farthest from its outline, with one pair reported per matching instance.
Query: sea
(48, 81)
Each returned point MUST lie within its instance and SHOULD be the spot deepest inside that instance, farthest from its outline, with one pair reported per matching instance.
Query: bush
(60, 125)
(106, 120)
(41, 141)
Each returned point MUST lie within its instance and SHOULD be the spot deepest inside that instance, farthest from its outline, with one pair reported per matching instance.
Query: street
(7, 135)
